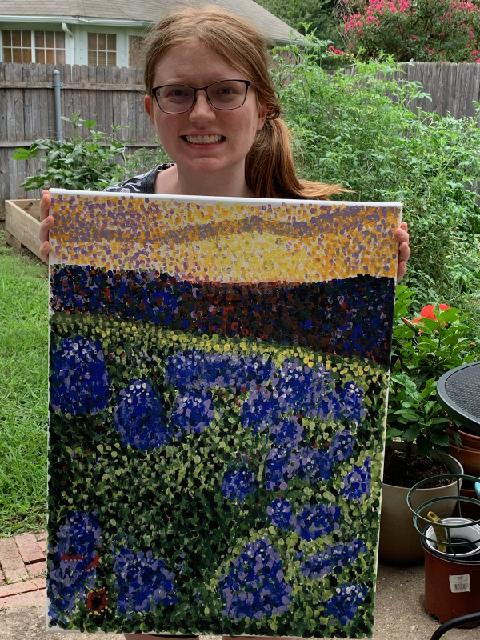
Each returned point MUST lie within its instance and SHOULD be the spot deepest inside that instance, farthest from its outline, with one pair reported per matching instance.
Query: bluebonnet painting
(217, 414)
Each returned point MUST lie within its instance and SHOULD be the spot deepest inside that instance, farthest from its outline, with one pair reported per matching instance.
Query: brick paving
(22, 570)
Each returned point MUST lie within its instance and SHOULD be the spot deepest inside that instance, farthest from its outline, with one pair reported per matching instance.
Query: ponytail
(270, 170)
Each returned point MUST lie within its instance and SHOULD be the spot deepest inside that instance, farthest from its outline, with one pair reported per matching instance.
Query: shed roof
(142, 11)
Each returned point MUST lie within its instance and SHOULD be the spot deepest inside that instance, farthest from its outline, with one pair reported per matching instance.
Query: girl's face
(204, 141)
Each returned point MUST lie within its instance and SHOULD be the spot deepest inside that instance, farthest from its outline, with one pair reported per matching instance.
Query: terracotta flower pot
(451, 586)
(469, 440)
(469, 458)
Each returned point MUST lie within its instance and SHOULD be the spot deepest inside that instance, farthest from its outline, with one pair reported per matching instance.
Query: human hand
(45, 225)
(403, 239)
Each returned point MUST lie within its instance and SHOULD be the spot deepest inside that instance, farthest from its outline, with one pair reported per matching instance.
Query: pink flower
(353, 22)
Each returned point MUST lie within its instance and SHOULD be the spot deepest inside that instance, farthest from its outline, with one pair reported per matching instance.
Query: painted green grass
(23, 391)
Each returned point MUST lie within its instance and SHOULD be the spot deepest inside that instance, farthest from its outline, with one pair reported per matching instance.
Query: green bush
(356, 128)
(319, 14)
(92, 161)
(80, 162)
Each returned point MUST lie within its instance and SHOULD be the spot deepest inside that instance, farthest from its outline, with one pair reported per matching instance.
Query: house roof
(143, 11)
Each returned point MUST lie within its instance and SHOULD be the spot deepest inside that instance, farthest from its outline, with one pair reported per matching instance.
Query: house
(88, 32)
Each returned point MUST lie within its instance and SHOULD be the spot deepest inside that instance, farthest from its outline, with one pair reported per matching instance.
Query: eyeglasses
(225, 95)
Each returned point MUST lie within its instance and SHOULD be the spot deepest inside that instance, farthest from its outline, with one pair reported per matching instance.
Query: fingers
(402, 269)
(45, 249)
(45, 225)
(403, 238)
(45, 204)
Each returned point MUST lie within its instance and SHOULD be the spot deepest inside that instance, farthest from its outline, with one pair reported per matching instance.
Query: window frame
(33, 47)
(106, 51)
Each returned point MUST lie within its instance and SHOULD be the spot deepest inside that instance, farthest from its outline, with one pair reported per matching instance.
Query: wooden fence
(114, 96)
(109, 95)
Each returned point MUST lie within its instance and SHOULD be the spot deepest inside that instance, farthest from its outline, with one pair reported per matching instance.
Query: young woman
(211, 100)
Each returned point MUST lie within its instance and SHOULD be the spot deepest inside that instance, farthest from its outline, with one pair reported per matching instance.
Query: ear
(262, 115)
(147, 101)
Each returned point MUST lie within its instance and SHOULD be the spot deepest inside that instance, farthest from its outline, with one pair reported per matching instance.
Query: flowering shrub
(425, 346)
(425, 30)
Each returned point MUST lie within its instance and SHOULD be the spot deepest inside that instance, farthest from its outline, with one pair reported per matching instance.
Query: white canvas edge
(214, 199)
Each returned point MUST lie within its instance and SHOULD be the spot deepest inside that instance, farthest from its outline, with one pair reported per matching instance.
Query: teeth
(203, 139)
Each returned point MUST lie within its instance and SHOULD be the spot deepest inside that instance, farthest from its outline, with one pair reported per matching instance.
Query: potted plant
(423, 348)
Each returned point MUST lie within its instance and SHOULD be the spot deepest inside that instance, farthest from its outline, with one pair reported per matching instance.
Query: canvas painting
(218, 382)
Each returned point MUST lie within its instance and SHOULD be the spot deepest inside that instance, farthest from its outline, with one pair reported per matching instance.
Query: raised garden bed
(22, 224)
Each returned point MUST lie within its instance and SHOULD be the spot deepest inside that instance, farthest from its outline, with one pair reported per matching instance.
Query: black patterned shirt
(143, 183)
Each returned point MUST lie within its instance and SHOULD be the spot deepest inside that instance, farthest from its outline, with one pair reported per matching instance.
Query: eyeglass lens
(177, 98)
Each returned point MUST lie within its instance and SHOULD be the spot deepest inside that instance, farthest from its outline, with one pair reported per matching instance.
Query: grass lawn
(23, 390)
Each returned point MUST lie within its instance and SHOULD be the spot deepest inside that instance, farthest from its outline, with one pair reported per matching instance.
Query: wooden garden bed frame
(22, 224)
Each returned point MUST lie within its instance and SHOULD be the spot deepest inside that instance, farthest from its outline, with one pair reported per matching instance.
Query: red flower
(428, 311)
(333, 49)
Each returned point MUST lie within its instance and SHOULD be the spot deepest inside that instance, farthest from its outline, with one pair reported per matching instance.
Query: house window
(102, 49)
(44, 47)
(135, 51)
(17, 46)
(50, 47)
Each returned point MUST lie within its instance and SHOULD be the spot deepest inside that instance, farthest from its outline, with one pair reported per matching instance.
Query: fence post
(57, 88)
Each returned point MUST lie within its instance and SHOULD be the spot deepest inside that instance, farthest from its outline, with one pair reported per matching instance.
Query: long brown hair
(269, 169)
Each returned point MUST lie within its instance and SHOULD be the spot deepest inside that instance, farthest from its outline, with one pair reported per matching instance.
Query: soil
(402, 470)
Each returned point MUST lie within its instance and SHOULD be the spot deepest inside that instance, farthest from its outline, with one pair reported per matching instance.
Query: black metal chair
(459, 392)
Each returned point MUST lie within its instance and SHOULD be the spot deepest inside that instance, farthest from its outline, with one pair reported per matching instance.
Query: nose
(201, 108)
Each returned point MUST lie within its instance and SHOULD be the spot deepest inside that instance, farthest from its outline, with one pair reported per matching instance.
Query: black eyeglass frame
(154, 90)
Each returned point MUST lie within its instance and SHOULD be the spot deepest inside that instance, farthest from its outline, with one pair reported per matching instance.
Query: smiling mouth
(209, 139)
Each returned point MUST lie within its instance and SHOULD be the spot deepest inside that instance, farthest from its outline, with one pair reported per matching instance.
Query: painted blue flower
(315, 464)
(142, 581)
(351, 403)
(72, 564)
(255, 585)
(238, 483)
(79, 380)
(342, 445)
(192, 412)
(196, 369)
(140, 417)
(356, 484)
(281, 466)
(280, 513)
(317, 520)
(320, 400)
(332, 557)
(293, 381)
(344, 604)
(286, 433)
(79, 535)
(261, 409)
